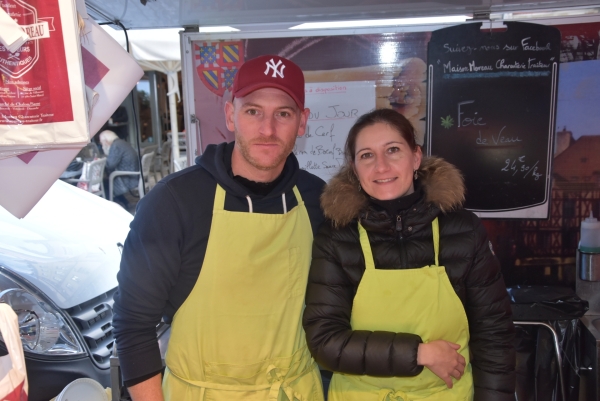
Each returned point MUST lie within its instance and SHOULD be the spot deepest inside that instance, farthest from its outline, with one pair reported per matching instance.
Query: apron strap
(297, 193)
(366, 248)
(435, 227)
(277, 383)
(368, 253)
(219, 203)
(387, 394)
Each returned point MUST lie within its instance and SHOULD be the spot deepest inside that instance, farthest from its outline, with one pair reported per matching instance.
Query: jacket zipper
(403, 257)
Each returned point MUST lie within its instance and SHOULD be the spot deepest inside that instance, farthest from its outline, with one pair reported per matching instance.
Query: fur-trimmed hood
(443, 185)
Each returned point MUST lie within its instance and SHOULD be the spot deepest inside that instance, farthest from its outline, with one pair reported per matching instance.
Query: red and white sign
(42, 102)
(30, 94)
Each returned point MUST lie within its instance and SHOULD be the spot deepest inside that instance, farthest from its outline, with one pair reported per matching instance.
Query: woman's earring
(416, 175)
(359, 187)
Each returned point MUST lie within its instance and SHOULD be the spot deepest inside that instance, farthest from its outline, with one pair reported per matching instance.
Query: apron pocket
(255, 287)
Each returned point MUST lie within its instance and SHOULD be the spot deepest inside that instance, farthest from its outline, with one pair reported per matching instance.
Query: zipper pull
(398, 223)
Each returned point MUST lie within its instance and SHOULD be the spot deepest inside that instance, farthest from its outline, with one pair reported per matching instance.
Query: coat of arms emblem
(217, 63)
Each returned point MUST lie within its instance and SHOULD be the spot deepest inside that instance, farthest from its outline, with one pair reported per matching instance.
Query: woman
(120, 156)
(405, 298)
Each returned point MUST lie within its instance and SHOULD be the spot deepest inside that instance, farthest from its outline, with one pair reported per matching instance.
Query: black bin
(547, 342)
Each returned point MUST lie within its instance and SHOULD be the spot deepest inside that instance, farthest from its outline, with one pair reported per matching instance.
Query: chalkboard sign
(334, 107)
(491, 112)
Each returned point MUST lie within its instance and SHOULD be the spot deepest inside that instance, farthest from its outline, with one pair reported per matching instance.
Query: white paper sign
(334, 107)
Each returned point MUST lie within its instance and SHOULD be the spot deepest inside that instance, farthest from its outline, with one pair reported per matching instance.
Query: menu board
(491, 113)
(334, 107)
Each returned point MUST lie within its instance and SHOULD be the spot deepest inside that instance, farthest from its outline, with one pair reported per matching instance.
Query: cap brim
(251, 88)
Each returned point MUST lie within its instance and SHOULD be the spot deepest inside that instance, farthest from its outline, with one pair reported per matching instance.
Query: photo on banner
(531, 250)
(391, 66)
(543, 251)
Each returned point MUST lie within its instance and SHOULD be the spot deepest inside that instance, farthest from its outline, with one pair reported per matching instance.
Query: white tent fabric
(157, 50)
(150, 44)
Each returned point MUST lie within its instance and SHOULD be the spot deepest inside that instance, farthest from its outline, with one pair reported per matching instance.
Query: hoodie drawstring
(282, 199)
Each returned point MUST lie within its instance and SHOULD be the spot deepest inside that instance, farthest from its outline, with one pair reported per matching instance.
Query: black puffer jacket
(405, 242)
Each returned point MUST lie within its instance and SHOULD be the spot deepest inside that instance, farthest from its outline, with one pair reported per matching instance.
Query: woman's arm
(113, 158)
(490, 324)
(330, 337)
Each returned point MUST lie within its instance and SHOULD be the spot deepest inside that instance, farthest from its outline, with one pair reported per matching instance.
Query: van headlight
(42, 327)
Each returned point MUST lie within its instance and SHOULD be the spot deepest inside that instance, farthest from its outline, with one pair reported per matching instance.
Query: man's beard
(106, 149)
(244, 147)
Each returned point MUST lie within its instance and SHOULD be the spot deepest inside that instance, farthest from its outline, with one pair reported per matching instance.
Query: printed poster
(35, 95)
(42, 102)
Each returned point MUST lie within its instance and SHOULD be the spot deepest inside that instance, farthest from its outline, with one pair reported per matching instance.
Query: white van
(58, 270)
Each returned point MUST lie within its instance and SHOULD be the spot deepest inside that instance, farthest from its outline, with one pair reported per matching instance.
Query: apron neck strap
(435, 228)
(297, 193)
(366, 248)
(219, 203)
(368, 253)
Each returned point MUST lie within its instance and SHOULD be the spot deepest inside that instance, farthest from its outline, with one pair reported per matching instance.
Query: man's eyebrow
(258, 106)
(250, 104)
(292, 108)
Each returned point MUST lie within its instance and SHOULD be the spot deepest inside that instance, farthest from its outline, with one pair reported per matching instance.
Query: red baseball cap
(270, 72)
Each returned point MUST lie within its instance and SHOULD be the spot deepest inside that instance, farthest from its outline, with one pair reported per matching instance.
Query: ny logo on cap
(275, 67)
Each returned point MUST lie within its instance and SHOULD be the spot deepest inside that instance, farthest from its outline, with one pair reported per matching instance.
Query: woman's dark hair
(386, 116)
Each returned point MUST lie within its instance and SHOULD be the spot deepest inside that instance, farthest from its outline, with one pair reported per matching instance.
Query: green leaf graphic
(447, 122)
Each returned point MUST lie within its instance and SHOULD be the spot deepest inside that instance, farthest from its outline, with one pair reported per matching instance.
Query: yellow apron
(239, 335)
(419, 301)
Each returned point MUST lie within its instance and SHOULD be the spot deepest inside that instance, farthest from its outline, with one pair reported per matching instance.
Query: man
(221, 250)
(120, 156)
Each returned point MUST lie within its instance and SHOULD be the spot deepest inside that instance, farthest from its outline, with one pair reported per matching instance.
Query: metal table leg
(556, 348)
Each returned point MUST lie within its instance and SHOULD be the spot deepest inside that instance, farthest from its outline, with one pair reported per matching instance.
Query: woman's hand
(443, 359)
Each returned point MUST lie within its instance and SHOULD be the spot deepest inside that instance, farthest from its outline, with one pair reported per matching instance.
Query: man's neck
(258, 188)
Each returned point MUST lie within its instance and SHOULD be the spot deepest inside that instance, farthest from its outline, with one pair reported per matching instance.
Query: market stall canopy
(150, 47)
(140, 14)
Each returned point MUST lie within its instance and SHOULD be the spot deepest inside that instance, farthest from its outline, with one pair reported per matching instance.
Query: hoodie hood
(216, 159)
(443, 186)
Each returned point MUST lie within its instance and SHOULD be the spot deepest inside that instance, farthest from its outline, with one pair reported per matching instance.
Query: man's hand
(148, 390)
(443, 359)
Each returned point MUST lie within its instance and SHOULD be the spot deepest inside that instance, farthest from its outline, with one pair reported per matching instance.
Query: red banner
(34, 88)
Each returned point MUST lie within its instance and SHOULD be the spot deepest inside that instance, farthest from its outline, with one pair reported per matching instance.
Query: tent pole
(172, 87)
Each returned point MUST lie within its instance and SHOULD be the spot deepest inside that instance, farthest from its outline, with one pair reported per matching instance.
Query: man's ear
(229, 109)
(303, 121)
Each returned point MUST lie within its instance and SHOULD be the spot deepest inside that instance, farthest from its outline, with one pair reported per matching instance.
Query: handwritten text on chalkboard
(517, 60)
(491, 104)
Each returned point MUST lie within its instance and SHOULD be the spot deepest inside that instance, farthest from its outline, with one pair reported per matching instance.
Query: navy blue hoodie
(165, 249)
